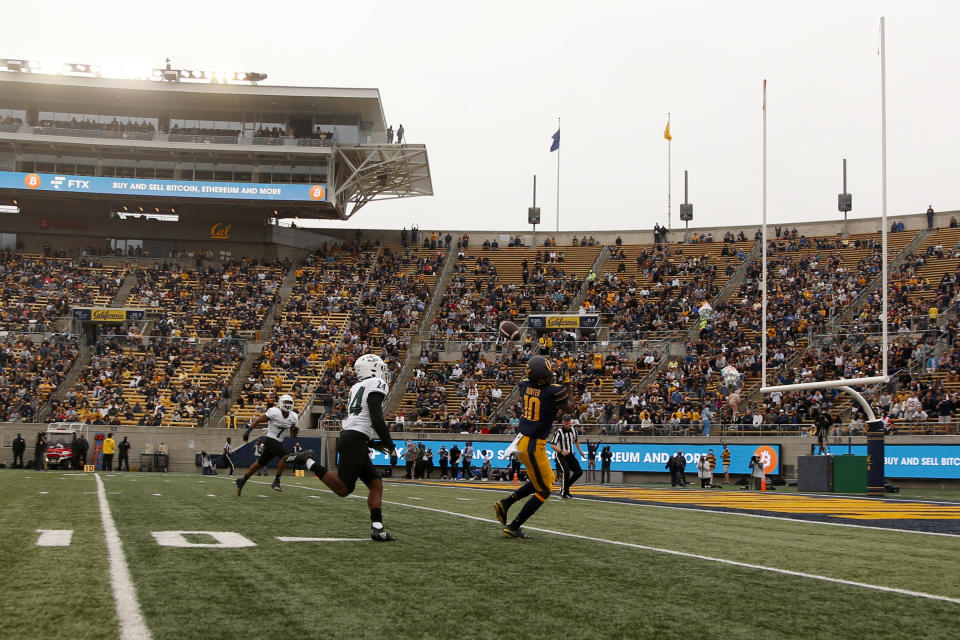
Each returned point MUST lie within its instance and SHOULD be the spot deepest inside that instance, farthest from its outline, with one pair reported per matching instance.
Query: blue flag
(556, 141)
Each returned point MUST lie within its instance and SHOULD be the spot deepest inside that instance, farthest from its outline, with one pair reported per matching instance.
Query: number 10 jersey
(540, 406)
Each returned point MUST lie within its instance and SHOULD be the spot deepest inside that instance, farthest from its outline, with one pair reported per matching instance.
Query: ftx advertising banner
(151, 187)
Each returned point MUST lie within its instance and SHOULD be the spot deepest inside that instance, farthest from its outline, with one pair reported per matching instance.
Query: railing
(289, 141)
(94, 133)
(8, 127)
(203, 138)
(717, 430)
(146, 341)
(29, 327)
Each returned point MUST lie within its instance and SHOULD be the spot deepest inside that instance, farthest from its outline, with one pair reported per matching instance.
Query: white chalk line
(296, 539)
(132, 625)
(696, 556)
(682, 554)
(799, 520)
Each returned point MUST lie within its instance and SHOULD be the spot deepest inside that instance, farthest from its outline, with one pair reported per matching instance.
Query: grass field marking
(132, 625)
(224, 539)
(849, 496)
(54, 537)
(763, 516)
(296, 539)
(696, 556)
(622, 502)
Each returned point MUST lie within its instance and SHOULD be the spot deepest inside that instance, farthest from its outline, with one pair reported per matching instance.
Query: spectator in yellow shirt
(109, 447)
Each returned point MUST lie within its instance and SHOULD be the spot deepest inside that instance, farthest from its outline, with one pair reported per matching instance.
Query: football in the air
(509, 330)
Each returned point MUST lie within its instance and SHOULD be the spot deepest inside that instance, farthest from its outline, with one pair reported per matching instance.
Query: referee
(564, 440)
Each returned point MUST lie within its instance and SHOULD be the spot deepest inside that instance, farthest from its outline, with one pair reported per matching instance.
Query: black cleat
(501, 512)
(303, 456)
(240, 482)
(514, 532)
(381, 535)
(276, 485)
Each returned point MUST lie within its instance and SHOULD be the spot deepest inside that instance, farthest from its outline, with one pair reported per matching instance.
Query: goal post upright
(875, 427)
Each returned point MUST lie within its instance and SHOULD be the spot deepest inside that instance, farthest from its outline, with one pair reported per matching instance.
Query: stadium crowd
(152, 381)
(30, 372)
(38, 290)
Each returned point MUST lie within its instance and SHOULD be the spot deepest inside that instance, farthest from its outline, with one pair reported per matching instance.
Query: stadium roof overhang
(74, 93)
(365, 173)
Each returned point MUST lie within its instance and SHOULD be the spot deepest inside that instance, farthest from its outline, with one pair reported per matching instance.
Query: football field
(181, 556)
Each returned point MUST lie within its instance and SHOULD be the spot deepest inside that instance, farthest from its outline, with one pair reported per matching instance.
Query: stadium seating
(211, 302)
(351, 300)
(37, 290)
(152, 381)
(30, 372)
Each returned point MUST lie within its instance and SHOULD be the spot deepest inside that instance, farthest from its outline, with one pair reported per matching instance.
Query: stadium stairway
(726, 292)
(422, 335)
(255, 348)
(598, 266)
(70, 379)
(283, 293)
(129, 282)
(847, 314)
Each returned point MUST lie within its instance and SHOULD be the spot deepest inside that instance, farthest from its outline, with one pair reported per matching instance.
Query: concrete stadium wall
(184, 443)
(827, 227)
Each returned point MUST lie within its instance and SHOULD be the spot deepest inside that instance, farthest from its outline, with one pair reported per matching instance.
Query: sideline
(132, 625)
(728, 511)
(682, 554)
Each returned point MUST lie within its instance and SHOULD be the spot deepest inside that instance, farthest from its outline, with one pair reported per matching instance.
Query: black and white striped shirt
(566, 440)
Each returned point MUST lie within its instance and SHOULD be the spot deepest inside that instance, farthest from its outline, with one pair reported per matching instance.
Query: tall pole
(763, 260)
(883, 160)
(558, 180)
(846, 232)
(535, 206)
(876, 482)
(669, 143)
(686, 199)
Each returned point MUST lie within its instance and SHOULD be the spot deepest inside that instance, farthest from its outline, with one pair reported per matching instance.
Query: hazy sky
(482, 85)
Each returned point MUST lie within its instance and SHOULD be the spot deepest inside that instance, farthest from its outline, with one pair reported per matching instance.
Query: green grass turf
(449, 576)
(53, 591)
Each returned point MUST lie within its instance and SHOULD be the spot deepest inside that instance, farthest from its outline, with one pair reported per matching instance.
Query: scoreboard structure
(80, 146)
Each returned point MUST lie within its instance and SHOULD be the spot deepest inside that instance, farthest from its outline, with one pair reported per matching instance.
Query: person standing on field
(124, 454)
(725, 459)
(704, 472)
(606, 457)
(19, 446)
(564, 441)
(109, 447)
(228, 455)
(592, 450)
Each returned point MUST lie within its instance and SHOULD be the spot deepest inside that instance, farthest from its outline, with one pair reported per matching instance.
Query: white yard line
(797, 520)
(296, 539)
(696, 556)
(683, 554)
(132, 625)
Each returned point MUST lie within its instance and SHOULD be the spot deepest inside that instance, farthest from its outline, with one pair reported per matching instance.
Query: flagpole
(763, 259)
(558, 179)
(669, 162)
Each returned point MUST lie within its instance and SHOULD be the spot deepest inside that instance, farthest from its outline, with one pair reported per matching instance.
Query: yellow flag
(666, 132)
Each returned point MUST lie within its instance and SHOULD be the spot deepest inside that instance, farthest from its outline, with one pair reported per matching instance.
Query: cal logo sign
(220, 231)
